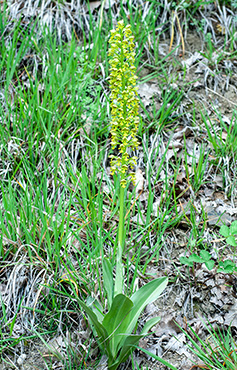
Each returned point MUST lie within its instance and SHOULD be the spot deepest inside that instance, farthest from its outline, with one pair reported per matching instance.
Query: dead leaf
(139, 181)
(94, 5)
(231, 316)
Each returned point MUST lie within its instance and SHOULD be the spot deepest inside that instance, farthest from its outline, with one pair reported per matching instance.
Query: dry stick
(172, 33)
(175, 15)
(181, 34)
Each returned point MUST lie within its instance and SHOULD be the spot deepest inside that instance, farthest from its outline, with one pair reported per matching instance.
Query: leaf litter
(192, 293)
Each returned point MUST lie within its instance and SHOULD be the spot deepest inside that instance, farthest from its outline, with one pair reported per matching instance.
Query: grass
(59, 203)
(222, 139)
(217, 351)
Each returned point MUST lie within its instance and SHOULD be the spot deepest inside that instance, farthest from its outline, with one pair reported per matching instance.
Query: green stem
(118, 285)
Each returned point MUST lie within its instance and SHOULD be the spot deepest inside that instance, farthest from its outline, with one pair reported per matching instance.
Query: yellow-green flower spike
(124, 101)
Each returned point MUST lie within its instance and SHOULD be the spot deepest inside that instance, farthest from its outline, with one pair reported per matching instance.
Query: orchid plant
(115, 328)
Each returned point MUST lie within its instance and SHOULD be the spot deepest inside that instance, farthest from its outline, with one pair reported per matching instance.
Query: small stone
(21, 359)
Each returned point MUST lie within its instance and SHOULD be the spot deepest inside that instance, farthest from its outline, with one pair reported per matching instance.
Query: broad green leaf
(186, 261)
(233, 228)
(227, 266)
(224, 231)
(108, 280)
(195, 258)
(146, 294)
(101, 331)
(226, 270)
(210, 264)
(128, 346)
(228, 263)
(117, 320)
(149, 324)
(205, 255)
(96, 307)
(231, 241)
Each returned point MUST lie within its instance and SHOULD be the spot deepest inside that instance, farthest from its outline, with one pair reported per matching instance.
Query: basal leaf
(146, 294)
(149, 324)
(117, 320)
(128, 346)
(131, 341)
(96, 307)
(101, 331)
